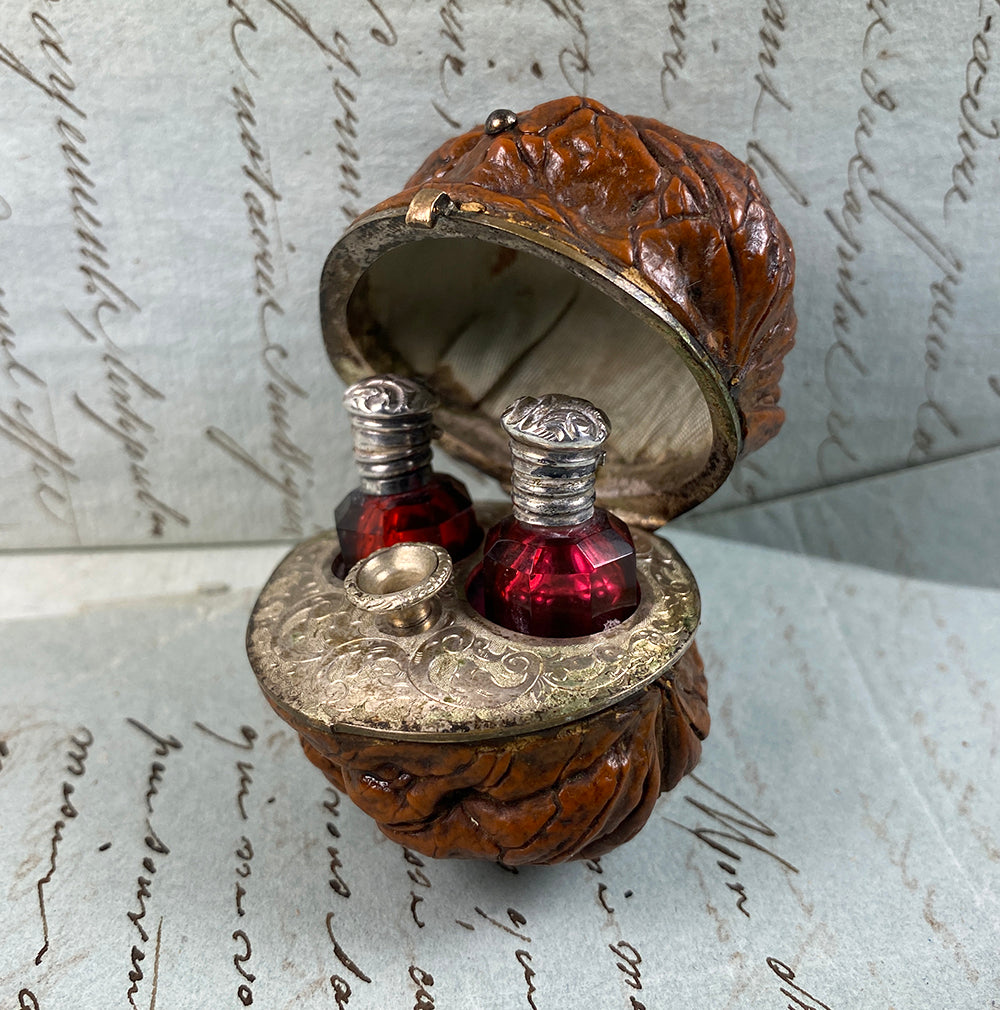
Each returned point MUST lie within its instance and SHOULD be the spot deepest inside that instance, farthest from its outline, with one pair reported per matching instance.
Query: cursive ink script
(866, 191)
(452, 63)
(132, 431)
(731, 831)
(628, 963)
(417, 876)
(338, 49)
(105, 299)
(52, 467)
(787, 976)
(975, 124)
(423, 980)
(291, 470)
(244, 854)
(524, 960)
(574, 57)
(164, 747)
(343, 958)
(770, 35)
(674, 58)
(80, 744)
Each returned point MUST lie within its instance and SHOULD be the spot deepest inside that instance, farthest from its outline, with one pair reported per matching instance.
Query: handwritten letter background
(838, 849)
(172, 177)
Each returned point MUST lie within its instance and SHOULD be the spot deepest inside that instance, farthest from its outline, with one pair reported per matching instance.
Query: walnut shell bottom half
(572, 792)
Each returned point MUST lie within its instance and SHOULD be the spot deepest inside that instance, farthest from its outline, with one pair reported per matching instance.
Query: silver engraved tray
(316, 655)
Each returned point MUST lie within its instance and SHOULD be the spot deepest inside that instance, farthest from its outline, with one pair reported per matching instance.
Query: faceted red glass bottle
(400, 497)
(557, 567)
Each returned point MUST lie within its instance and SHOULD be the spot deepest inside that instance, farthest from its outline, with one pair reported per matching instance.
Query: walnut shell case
(565, 249)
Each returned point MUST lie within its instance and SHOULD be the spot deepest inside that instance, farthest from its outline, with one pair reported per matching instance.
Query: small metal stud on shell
(499, 121)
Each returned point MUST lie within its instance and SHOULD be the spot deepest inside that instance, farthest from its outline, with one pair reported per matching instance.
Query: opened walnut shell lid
(604, 256)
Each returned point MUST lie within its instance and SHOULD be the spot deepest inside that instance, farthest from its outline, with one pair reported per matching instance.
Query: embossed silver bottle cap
(556, 444)
(392, 424)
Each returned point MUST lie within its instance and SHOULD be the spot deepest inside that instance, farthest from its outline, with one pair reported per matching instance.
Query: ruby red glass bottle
(557, 567)
(400, 497)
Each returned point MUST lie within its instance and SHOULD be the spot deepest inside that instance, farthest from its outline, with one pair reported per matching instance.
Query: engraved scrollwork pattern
(388, 396)
(316, 655)
(574, 792)
(557, 419)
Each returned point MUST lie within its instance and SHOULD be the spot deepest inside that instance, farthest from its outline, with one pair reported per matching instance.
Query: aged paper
(172, 178)
(163, 841)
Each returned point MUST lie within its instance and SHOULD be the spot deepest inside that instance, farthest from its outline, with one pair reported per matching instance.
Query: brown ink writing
(80, 744)
(164, 746)
(730, 829)
(788, 976)
(673, 59)
(423, 980)
(628, 963)
(292, 468)
(419, 878)
(337, 883)
(974, 126)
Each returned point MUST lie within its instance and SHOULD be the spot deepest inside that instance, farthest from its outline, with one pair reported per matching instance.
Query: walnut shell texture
(681, 215)
(574, 792)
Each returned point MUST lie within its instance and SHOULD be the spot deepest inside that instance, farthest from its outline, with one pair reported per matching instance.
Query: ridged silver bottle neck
(553, 489)
(556, 444)
(392, 456)
(392, 425)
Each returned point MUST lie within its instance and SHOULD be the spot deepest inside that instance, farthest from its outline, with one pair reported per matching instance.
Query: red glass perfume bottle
(400, 498)
(557, 567)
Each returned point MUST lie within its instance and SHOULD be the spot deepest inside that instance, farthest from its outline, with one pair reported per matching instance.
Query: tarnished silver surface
(556, 444)
(401, 583)
(556, 420)
(319, 657)
(392, 425)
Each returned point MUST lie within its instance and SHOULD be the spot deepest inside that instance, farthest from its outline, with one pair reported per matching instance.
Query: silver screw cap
(556, 444)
